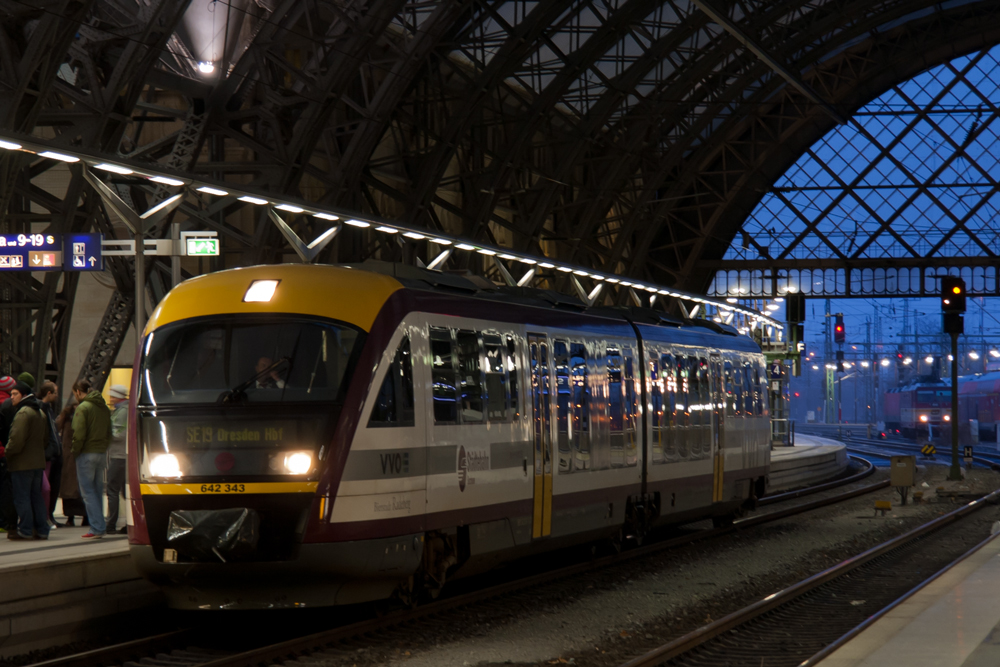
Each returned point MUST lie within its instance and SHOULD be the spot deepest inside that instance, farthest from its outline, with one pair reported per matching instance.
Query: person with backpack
(91, 437)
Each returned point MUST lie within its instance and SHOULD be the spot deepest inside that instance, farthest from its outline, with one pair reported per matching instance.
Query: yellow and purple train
(325, 435)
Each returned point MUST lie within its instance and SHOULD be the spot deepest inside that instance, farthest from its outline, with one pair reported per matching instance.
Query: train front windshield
(242, 398)
(224, 361)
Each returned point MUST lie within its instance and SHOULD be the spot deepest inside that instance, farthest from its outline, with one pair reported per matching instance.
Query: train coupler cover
(211, 535)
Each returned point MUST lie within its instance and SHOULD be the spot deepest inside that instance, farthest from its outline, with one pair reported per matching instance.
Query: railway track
(189, 648)
(803, 623)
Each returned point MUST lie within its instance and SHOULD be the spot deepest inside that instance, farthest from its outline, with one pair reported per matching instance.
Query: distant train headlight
(947, 418)
(298, 463)
(164, 465)
(923, 418)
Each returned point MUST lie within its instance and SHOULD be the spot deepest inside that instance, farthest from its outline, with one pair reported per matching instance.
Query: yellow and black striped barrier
(928, 450)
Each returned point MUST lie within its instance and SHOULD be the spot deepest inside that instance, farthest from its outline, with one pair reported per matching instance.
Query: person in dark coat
(69, 488)
(48, 394)
(25, 453)
(8, 514)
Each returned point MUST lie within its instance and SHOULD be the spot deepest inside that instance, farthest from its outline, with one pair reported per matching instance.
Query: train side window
(614, 362)
(394, 402)
(512, 371)
(694, 392)
(564, 390)
(445, 392)
(497, 406)
(668, 377)
(656, 389)
(630, 412)
(748, 392)
(581, 405)
(728, 375)
(683, 406)
(470, 373)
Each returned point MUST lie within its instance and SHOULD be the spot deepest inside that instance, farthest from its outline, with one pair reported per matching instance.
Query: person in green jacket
(29, 431)
(91, 437)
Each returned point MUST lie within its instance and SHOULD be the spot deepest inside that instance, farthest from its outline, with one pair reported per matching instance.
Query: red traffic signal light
(838, 329)
(952, 294)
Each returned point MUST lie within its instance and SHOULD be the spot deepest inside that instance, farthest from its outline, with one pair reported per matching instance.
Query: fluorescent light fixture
(885, 362)
(114, 168)
(52, 155)
(357, 223)
(289, 208)
(995, 353)
(564, 269)
(387, 230)
(929, 359)
(613, 281)
(546, 265)
(260, 291)
(465, 246)
(212, 191)
(507, 256)
(166, 180)
(649, 288)
(730, 300)
(486, 251)
(578, 272)
(973, 355)
(625, 283)
(414, 235)
(253, 200)
(10, 146)
(328, 216)
(206, 67)
(440, 241)
(527, 260)
(778, 299)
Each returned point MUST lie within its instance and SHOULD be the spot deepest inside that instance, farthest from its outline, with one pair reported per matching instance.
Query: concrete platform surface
(53, 591)
(811, 460)
(952, 622)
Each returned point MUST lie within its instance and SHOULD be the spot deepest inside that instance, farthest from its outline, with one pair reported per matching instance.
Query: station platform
(954, 621)
(51, 591)
(811, 460)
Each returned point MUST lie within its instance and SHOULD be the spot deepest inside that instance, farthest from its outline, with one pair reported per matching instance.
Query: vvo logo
(463, 468)
(469, 462)
(395, 463)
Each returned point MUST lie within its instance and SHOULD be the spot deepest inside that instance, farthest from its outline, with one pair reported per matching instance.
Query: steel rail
(707, 632)
(779, 497)
(885, 610)
(317, 641)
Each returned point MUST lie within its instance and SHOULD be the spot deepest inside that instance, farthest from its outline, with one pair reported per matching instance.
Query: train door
(538, 345)
(718, 422)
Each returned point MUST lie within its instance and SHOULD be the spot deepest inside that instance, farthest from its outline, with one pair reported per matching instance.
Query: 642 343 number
(223, 488)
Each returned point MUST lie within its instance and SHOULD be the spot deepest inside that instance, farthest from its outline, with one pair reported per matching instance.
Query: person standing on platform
(69, 487)
(91, 437)
(8, 515)
(48, 395)
(29, 432)
(116, 453)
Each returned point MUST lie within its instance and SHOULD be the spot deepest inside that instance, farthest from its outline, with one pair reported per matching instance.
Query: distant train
(319, 435)
(979, 399)
(918, 408)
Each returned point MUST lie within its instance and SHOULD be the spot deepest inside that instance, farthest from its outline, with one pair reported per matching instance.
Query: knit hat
(27, 378)
(7, 383)
(22, 389)
(118, 391)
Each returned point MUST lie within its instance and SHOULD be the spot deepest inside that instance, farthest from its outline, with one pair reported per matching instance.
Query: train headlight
(164, 465)
(947, 418)
(923, 418)
(298, 463)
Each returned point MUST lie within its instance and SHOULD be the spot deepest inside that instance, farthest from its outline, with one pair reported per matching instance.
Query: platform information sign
(82, 252)
(30, 252)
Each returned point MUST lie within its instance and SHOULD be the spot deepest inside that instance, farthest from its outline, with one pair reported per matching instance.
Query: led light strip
(131, 168)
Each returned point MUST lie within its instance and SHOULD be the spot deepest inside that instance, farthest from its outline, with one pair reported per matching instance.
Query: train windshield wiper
(238, 393)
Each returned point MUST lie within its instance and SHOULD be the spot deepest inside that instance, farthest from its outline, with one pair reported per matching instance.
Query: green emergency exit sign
(202, 247)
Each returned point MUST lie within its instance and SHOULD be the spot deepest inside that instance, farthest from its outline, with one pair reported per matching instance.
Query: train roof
(363, 289)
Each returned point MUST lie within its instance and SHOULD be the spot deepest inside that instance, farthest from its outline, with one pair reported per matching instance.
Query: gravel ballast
(606, 617)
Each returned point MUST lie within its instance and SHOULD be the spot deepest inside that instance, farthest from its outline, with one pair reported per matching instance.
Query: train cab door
(539, 349)
(718, 424)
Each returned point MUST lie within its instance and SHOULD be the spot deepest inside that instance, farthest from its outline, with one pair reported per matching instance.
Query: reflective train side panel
(354, 438)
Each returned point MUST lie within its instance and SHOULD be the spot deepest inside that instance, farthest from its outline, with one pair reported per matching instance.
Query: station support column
(955, 473)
